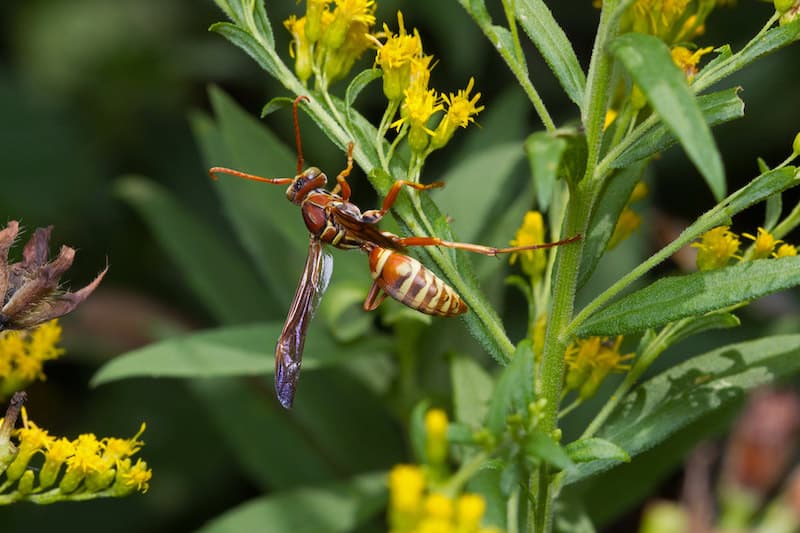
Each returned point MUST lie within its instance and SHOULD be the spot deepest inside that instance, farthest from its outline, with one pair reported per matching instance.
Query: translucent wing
(289, 352)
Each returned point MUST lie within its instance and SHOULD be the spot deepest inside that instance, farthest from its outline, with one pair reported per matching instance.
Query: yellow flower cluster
(417, 501)
(533, 262)
(413, 508)
(687, 61)
(23, 353)
(673, 21)
(406, 74)
(718, 246)
(79, 469)
(330, 37)
(629, 220)
(590, 360)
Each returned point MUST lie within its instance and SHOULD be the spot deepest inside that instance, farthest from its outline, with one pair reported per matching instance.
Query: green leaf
(717, 108)
(215, 270)
(725, 64)
(556, 49)
(514, 389)
(612, 201)
(594, 449)
(262, 218)
(231, 351)
(762, 188)
(474, 186)
(698, 324)
(545, 448)
(416, 430)
(773, 211)
(701, 385)
(649, 63)
(274, 104)
(544, 151)
(472, 389)
(357, 84)
(259, 434)
(265, 57)
(670, 299)
(338, 507)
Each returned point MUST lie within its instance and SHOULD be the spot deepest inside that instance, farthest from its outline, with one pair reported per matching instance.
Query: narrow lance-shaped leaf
(717, 108)
(649, 63)
(544, 151)
(675, 398)
(670, 299)
(556, 49)
(235, 351)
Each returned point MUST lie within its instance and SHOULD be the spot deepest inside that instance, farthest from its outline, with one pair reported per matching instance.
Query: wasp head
(311, 178)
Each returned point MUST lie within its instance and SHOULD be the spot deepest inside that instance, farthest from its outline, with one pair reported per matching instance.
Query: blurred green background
(91, 90)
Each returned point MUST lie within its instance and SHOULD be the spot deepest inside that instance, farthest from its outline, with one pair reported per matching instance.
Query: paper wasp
(332, 219)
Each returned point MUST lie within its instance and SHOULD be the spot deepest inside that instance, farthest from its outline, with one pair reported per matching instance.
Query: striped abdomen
(406, 280)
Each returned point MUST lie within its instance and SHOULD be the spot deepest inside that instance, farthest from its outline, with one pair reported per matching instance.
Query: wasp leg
(478, 248)
(374, 215)
(374, 298)
(341, 178)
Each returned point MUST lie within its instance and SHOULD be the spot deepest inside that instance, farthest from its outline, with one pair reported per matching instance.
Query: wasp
(331, 219)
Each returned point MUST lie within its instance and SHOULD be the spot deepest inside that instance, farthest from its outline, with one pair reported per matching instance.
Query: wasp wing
(289, 352)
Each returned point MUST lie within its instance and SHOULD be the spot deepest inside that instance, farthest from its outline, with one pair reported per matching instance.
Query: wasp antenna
(222, 170)
(297, 132)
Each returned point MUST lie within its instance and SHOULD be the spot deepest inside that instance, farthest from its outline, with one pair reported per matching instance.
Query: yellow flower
(115, 449)
(436, 437)
(348, 12)
(716, 248)
(590, 360)
(438, 506)
(394, 57)
(627, 223)
(57, 452)
(406, 483)
(469, 512)
(419, 105)
(657, 17)
(611, 116)
(316, 13)
(130, 478)
(687, 60)
(786, 250)
(300, 47)
(531, 232)
(763, 243)
(339, 62)
(461, 110)
(22, 354)
(539, 330)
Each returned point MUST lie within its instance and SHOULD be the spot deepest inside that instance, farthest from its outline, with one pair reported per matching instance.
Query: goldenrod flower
(300, 47)
(436, 437)
(469, 512)
(539, 330)
(786, 250)
(590, 360)
(347, 13)
(763, 243)
(316, 12)
(419, 105)
(531, 232)
(439, 507)
(132, 478)
(461, 110)
(394, 57)
(716, 248)
(611, 116)
(657, 17)
(339, 62)
(86, 467)
(23, 353)
(627, 223)
(687, 60)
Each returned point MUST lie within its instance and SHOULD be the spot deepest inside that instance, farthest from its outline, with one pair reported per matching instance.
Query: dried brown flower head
(29, 289)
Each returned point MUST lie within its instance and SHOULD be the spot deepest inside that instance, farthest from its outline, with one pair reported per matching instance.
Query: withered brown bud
(29, 289)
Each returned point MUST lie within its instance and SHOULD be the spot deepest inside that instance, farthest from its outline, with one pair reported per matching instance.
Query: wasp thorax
(311, 178)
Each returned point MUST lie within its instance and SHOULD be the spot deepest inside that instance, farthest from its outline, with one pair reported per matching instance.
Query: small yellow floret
(531, 232)
(716, 248)
(786, 250)
(687, 60)
(763, 243)
(470, 509)
(406, 483)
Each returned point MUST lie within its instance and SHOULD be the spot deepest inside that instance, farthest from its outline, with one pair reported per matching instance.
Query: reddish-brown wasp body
(332, 219)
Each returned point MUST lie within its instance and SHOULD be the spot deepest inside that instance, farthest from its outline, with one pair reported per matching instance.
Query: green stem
(787, 224)
(464, 474)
